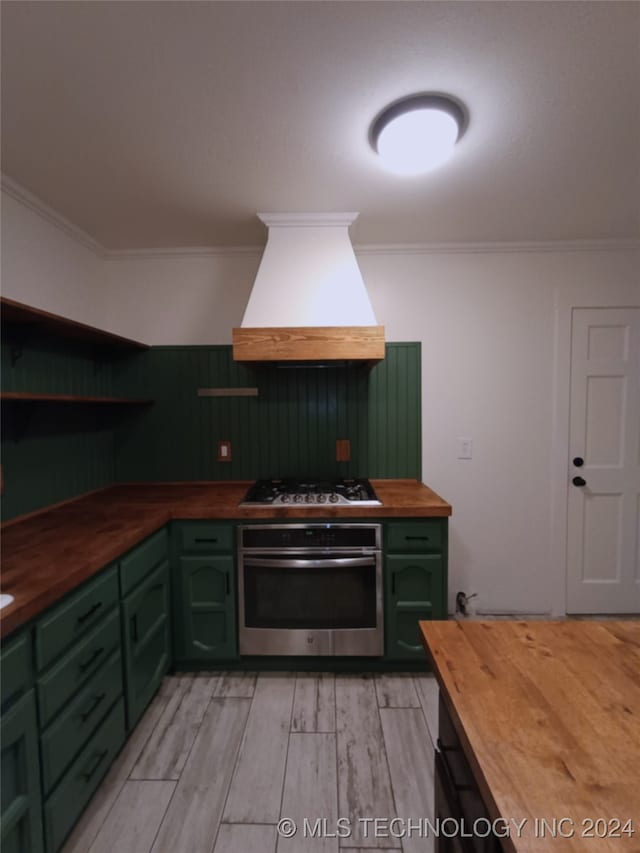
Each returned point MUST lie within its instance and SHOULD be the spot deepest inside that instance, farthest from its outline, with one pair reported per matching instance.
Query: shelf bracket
(16, 353)
(17, 337)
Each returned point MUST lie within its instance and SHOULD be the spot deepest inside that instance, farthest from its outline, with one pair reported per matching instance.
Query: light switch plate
(465, 448)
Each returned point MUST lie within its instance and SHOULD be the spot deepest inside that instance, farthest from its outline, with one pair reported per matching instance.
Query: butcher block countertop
(49, 553)
(548, 714)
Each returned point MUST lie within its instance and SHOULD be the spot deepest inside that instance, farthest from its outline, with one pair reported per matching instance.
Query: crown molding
(28, 199)
(392, 249)
(31, 201)
(184, 252)
(631, 245)
(307, 220)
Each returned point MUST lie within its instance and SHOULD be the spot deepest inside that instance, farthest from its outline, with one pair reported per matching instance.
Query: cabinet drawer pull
(134, 628)
(100, 756)
(85, 716)
(417, 538)
(211, 540)
(94, 657)
(455, 785)
(89, 612)
(228, 585)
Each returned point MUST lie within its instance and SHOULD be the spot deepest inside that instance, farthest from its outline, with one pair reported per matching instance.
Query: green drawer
(202, 537)
(137, 564)
(15, 669)
(68, 734)
(145, 630)
(21, 822)
(64, 806)
(413, 536)
(71, 620)
(61, 681)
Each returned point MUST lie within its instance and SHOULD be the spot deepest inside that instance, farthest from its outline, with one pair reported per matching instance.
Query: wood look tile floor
(219, 759)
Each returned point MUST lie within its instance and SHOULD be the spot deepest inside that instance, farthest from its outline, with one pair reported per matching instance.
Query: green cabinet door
(206, 627)
(413, 591)
(21, 821)
(145, 627)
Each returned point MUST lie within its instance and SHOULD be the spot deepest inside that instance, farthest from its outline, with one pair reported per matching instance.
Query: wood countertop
(49, 553)
(548, 714)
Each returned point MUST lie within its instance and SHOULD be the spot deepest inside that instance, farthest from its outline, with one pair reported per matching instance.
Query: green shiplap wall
(54, 452)
(51, 452)
(49, 365)
(63, 452)
(289, 429)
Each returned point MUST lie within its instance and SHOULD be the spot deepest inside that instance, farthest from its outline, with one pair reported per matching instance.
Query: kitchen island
(546, 716)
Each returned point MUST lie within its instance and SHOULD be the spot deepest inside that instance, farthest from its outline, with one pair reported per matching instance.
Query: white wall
(492, 362)
(44, 266)
(178, 298)
(487, 322)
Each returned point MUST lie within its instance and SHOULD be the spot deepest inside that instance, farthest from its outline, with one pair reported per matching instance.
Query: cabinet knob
(578, 461)
(579, 481)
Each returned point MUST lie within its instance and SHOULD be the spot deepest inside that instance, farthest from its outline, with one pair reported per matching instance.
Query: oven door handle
(292, 563)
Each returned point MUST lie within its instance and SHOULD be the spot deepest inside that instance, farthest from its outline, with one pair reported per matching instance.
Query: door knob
(578, 461)
(579, 481)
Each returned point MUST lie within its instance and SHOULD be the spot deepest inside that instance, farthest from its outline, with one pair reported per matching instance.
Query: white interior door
(603, 540)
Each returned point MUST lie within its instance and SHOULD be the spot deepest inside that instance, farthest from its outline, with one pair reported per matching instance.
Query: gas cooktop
(311, 492)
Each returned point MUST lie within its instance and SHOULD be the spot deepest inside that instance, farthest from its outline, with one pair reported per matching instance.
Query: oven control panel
(311, 537)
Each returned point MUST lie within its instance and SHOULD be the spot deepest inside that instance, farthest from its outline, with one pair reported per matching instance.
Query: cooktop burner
(332, 492)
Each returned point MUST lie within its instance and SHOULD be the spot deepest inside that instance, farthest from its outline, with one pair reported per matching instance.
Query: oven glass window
(310, 597)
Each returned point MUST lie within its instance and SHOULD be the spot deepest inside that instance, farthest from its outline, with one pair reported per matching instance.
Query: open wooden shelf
(18, 314)
(28, 397)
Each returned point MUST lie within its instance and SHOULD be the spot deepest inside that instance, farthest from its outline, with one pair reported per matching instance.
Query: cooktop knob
(285, 499)
(333, 498)
(297, 499)
(309, 498)
(321, 498)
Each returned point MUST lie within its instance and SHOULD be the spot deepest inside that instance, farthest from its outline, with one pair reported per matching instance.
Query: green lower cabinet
(79, 719)
(146, 643)
(206, 626)
(21, 822)
(413, 591)
(16, 676)
(68, 800)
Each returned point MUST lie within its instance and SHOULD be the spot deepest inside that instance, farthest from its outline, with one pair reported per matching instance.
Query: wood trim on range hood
(309, 302)
(309, 344)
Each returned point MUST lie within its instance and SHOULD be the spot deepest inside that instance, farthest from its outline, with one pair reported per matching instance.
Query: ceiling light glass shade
(417, 134)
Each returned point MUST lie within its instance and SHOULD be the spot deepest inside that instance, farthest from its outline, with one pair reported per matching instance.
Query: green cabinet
(60, 682)
(205, 621)
(16, 674)
(20, 816)
(76, 723)
(415, 569)
(67, 802)
(79, 684)
(69, 621)
(146, 642)
(208, 616)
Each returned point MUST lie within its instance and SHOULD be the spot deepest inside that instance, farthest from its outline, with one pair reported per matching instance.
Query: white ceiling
(169, 124)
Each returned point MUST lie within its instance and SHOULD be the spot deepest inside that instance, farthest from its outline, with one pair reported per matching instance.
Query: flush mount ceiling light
(416, 134)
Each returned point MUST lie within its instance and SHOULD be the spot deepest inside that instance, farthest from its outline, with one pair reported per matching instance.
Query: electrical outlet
(224, 451)
(343, 450)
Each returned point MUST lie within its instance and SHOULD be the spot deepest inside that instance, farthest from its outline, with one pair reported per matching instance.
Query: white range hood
(309, 301)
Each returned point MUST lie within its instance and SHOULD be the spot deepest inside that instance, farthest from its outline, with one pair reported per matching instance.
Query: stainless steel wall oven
(310, 589)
